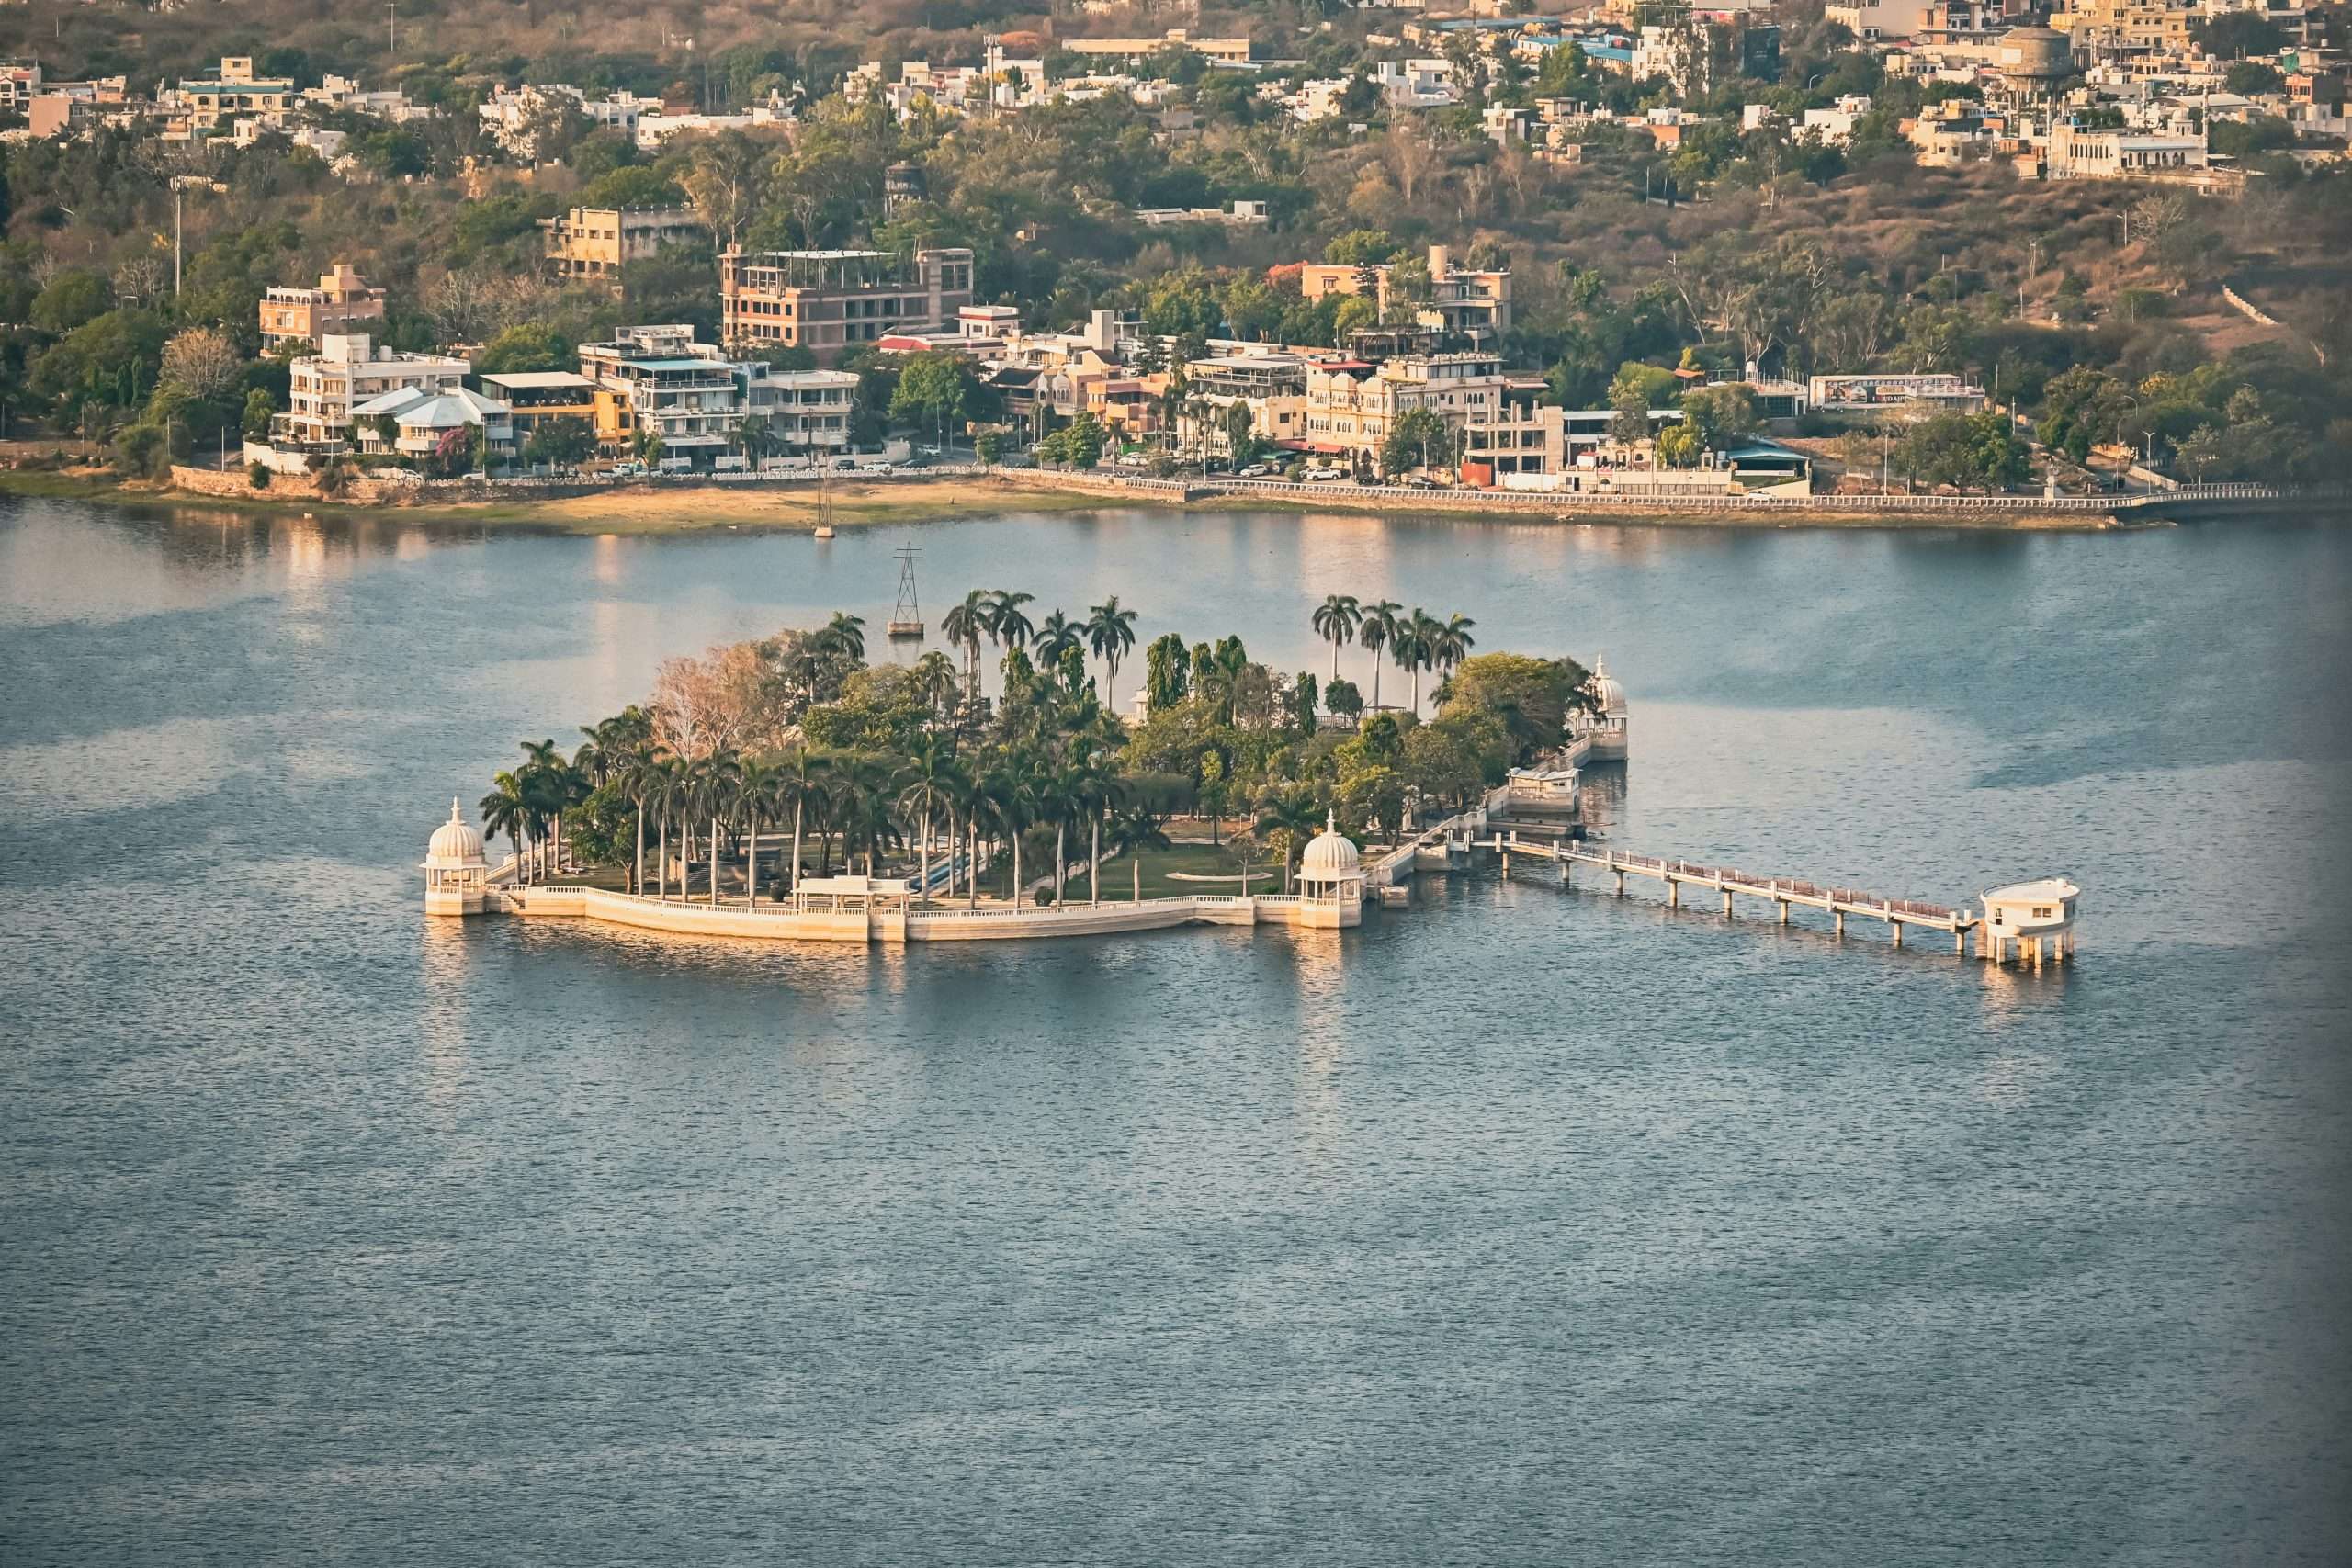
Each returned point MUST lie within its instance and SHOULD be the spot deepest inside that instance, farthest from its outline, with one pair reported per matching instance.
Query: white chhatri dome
(1330, 855)
(1606, 691)
(456, 846)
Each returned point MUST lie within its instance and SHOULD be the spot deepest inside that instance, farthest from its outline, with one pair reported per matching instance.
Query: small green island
(788, 786)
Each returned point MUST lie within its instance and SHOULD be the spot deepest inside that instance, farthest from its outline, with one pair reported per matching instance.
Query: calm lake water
(1523, 1227)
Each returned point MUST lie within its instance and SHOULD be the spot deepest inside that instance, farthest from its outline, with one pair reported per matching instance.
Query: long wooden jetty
(1785, 892)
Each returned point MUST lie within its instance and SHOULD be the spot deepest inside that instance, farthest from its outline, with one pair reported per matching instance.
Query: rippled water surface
(1522, 1228)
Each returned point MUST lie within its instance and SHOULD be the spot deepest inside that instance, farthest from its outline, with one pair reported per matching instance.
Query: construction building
(829, 302)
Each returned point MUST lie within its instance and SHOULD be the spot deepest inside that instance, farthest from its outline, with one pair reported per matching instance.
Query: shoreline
(913, 498)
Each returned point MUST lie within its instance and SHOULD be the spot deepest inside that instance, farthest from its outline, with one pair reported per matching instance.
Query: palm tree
(545, 777)
(1415, 648)
(1009, 798)
(755, 800)
(1293, 815)
(711, 788)
(642, 776)
(1056, 633)
(864, 799)
(1104, 791)
(932, 778)
(609, 747)
(935, 675)
(1110, 633)
(1377, 630)
(1136, 830)
(1061, 791)
(1454, 643)
(665, 791)
(1008, 626)
(506, 809)
(844, 635)
(967, 624)
(1336, 620)
(801, 781)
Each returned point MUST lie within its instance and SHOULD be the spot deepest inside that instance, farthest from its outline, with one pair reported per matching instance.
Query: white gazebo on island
(1330, 874)
(456, 872)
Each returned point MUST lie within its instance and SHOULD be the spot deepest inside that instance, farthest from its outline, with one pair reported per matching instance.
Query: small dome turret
(454, 845)
(1606, 692)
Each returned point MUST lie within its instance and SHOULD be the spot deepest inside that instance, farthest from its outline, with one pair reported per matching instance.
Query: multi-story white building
(348, 370)
(695, 398)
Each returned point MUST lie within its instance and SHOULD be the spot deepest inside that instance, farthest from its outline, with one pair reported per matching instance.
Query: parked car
(1323, 473)
(845, 465)
(1254, 471)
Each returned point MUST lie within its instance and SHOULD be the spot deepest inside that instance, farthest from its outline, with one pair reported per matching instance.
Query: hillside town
(1626, 248)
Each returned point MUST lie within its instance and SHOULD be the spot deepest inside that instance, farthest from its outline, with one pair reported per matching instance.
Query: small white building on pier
(2038, 917)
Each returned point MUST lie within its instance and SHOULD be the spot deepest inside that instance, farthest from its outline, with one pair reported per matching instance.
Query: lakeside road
(915, 497)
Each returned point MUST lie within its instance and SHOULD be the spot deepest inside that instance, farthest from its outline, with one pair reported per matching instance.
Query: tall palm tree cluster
(997, 616)
(956, 797)
(527, 804)
(1414, 642)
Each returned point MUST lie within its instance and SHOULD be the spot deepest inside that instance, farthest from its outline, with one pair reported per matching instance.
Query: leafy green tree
(142, 451)
(1418, 438)
(1362, 247)
(111, 359)
(1635, 390)
(935, 389)
(74, 297)
(2250, 78)
(1720, 416)
(1342, 697)
(1166, 672)
(526, 346)
(2234, 34)
(260, 407)
(564, 441)
(1078, 445)
(1531, 697)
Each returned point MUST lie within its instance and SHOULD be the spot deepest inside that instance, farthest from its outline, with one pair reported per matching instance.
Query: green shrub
(257, 475)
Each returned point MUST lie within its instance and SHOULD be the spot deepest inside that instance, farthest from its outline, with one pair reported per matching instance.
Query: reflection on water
(1519, 1226)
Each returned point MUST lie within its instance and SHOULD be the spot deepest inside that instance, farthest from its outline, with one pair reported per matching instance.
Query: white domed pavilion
(1608, 728)
(454, 867)
(1330, 874)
